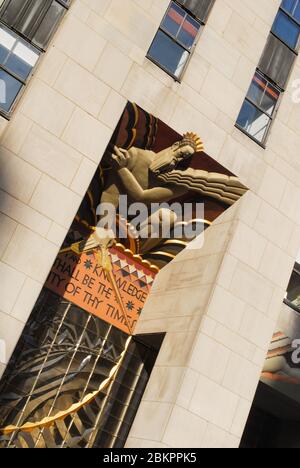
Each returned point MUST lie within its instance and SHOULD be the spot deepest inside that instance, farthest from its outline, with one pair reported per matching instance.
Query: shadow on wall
(18, 180)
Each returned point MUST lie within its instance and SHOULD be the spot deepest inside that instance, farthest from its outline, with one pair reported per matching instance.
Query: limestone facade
(218, 304)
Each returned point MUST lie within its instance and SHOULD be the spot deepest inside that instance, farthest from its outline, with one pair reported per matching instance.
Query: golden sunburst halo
(195, 140)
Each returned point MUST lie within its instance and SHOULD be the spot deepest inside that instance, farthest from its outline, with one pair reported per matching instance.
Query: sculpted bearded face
(170, 158)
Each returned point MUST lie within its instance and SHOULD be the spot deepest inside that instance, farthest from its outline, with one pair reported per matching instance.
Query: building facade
(216, 306)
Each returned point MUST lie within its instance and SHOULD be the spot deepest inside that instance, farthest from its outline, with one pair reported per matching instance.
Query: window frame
(62, 3)
(201, 19)
(260, 109)
(3, 112)
(176, 41)
(295, 21)
(8, 114)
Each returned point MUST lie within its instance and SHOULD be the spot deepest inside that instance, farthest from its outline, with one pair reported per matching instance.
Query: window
(292, 7)
(277, 61)
(35, 20)
(17, 59)
(199, 8)
(174, 41)
(274, 69)
(287, 23)
(62, 357)
(258, 109)
(293, 290)
(26, 28)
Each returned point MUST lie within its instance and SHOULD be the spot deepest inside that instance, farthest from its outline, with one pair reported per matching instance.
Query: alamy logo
(157, 221)
(296, 353)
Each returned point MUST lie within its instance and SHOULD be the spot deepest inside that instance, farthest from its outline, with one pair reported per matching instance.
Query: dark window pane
(199, 8)
(12, 10)
(253, 121)
(48, 25)
(168, 53)
(31, 18)
(188, 32)
(286, 29)
(35, 19)
(9, 89)
(263, 94)
(277, 61)
(173, 19)
(293, 290)
(25, 16)
(292, 7)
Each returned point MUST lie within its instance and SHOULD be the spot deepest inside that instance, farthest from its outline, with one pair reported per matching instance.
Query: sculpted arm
(134, 189)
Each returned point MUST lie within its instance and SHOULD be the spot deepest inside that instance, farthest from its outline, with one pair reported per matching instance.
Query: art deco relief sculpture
(64, 384)
(148, 177)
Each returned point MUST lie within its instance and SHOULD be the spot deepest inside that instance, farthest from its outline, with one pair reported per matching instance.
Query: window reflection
(189, 32)
(174, 40)
(263, 94)
(253, 121)
(17, 59)
(292, 7)
(286, 29)
(9, 89)
(258, 108)
(170, 55)
(174, 19)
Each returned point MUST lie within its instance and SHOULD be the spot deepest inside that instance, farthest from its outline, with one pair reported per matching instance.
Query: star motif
(88, 264)
(139, 311)
(130, 305)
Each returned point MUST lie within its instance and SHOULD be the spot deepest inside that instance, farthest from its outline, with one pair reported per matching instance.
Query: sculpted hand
(121, 157)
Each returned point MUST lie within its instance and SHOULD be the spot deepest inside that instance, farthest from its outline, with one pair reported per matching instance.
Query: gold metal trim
(61, 415)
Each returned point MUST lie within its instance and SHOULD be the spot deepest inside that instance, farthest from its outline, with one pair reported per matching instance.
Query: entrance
(274, 421)
(74, 380)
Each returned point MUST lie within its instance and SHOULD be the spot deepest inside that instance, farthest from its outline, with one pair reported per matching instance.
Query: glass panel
(22, 60)
(173, 19)
(12, 10)
(286, 30)
(29, 22)
(199, 8)
(293, 290)
(263, 94)
(253, 121)
(292, 7)
(168, 53)
(48, 25)
(16, 55)
(289, 5)
(296, 13)
(7, 43)
(9, 89)
(188, 32)
(36, 20)
(277, 61)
